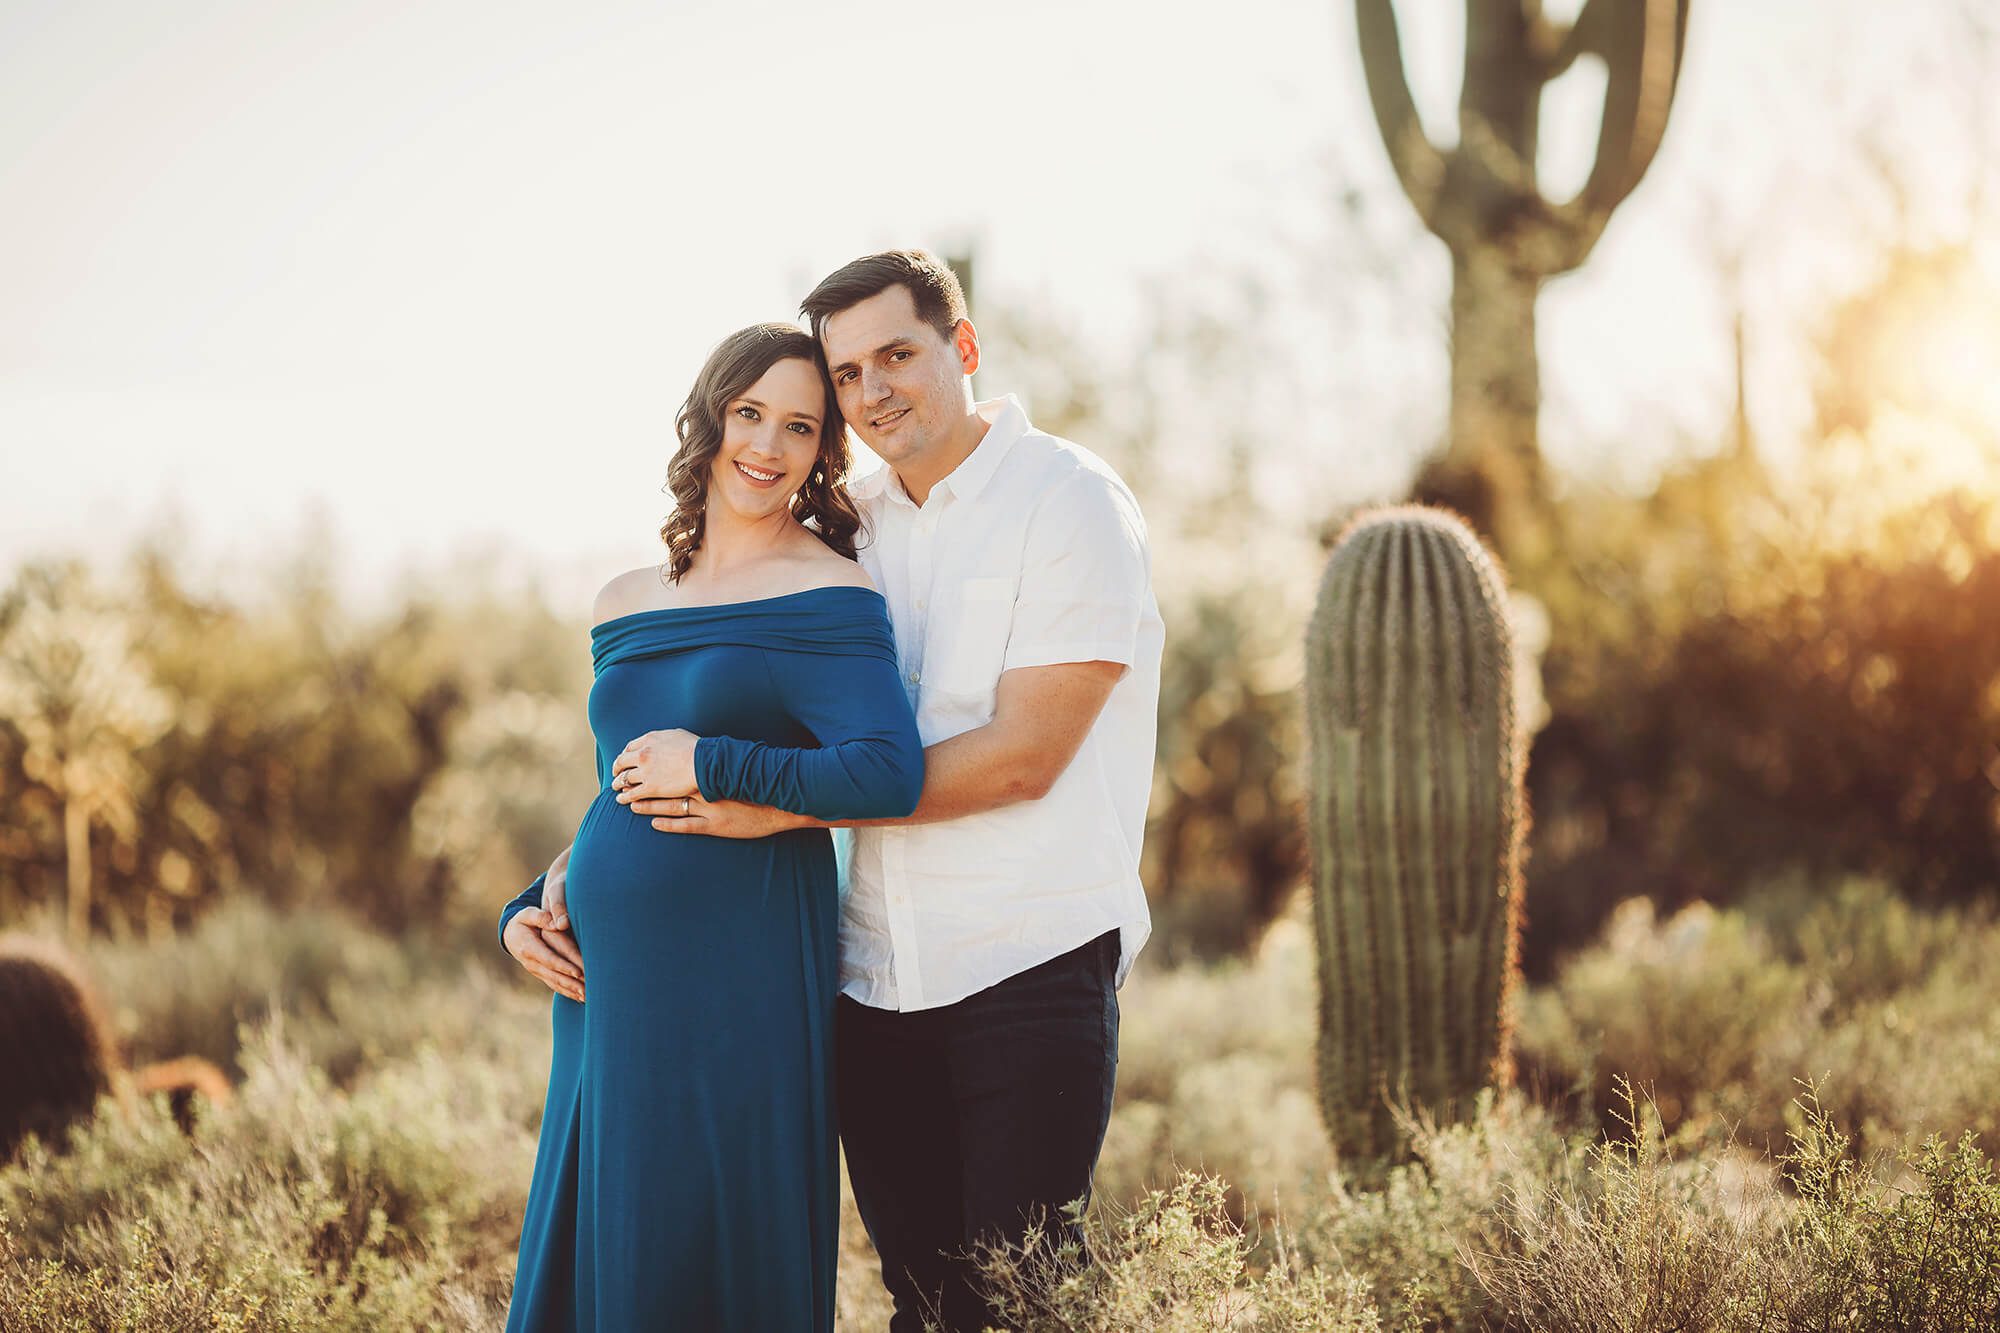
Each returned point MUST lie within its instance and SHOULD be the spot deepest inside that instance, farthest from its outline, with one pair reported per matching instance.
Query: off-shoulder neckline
(732, 606)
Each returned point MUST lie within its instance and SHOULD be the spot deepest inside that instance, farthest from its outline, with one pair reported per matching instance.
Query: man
(983, 938)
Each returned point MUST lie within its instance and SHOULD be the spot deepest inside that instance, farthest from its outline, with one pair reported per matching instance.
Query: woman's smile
(758, 477)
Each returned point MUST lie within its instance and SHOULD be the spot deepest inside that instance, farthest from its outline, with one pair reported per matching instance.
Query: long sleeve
(528, 897)
(532, 895)
(869, 763)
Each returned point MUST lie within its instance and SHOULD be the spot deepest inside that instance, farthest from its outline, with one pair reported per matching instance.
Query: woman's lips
(760, 482)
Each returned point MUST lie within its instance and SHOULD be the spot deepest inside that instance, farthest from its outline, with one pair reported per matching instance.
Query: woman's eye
(801, 428)
(747, 413)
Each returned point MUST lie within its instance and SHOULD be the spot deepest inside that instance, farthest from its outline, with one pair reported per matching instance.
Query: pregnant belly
(638, 894)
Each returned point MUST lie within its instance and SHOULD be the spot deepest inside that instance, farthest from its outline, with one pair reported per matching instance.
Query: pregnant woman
(686, 1176)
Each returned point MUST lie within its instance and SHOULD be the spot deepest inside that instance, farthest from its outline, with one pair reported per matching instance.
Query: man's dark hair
(934, 289)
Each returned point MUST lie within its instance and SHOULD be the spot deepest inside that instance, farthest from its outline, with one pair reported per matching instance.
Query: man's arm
(1040, 717)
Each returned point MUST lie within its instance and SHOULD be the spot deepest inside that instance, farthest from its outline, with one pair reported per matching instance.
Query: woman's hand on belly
(722, 819)
(534, 942)
(657, 766)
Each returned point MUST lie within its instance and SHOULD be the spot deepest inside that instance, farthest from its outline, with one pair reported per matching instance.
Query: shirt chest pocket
(969, 642)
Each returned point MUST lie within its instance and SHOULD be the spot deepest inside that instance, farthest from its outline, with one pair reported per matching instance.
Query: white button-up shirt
(1032, 552)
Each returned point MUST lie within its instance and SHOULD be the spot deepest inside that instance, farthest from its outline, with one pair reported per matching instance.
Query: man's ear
(965, 341)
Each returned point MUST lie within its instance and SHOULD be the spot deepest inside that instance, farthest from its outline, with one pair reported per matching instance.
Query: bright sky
(432, 277)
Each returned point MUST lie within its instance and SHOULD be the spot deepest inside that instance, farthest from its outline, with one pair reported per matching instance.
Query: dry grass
(370, 1170)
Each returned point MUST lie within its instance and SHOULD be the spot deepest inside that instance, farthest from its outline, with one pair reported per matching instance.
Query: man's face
(901, 386)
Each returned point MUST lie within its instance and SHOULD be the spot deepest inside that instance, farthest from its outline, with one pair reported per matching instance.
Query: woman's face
(770, 438)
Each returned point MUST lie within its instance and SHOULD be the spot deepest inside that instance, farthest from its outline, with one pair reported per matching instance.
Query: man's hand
(719, 819)
(535, 945)
(658, 765)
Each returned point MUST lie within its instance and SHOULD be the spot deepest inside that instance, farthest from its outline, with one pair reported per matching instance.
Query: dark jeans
(963, 1122)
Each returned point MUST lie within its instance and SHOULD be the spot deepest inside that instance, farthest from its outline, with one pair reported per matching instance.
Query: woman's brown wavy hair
(738, 362)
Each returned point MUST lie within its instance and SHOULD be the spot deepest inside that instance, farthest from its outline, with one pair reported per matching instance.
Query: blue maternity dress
(686, 1176)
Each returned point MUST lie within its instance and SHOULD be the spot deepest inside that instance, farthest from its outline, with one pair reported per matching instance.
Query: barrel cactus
(57, 1056)
(1416, 820)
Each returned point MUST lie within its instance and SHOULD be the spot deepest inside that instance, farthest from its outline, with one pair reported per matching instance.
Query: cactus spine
(1416, 821)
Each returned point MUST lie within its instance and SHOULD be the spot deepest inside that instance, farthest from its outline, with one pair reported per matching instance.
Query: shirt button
(916, 677)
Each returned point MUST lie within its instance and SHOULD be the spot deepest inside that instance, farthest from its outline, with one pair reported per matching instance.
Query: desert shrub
(394, 1206)
(1175, 1262)
(1923, 1252)
(1915, 1062)
(349, 994)
(1718, 1013)
(390, 1196)
(188, 994)
(1679, 1007)
(1404, 1237)
(1215, 1074)
(1639, 1240)
(150, 1295)
(1858, 939)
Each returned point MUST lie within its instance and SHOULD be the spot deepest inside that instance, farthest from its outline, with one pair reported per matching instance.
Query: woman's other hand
(657, 766)
(535, 946)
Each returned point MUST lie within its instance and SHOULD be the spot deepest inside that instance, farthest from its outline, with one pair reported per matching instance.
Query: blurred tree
(1760, 670)
(1483, 200)
(83, 704)
(415, 764)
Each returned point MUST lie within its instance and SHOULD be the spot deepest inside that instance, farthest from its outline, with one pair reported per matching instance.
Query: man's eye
(844, 377)
(899, 356)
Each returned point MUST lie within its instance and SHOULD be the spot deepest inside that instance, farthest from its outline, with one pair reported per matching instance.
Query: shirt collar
(1006, 421)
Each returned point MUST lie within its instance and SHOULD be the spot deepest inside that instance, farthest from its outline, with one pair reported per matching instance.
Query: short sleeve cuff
(1055, 654)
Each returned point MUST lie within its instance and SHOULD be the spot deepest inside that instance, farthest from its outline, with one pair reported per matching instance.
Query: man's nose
(874, 386)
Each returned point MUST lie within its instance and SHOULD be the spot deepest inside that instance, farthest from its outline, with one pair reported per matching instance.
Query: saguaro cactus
(1416, 821)
(1484, 200)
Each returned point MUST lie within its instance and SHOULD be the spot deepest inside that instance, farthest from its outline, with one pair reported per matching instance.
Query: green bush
(1718, 1013)
(349, 995)
(1405, 1237)
(1680, 1007)
(1215, 1074)
(1639, 1240)
(1175, 1262)
(1857, 1253)
(391, 1197)
(396, 1205)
